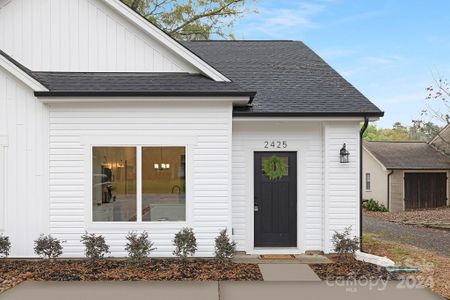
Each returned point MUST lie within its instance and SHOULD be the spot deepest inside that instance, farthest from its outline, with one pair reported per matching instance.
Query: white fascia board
(296, 119)
(21, 75)
(237, 101)
(165, 39)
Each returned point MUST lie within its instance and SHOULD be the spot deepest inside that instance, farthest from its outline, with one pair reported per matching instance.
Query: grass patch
(400, 253)
(369, 238)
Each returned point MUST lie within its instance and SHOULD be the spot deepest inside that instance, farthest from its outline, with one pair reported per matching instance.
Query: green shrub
(372, 205)
(225, 247)
(185, 243)
(5, 245)
(139, 246)
(48, 247)
(95, 246)
(344, 243)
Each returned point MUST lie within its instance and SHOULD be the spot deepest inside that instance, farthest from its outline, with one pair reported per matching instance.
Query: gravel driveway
(425, 238)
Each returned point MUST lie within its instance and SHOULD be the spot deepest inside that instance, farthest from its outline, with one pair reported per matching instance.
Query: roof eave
(307, 114)
(249, 94)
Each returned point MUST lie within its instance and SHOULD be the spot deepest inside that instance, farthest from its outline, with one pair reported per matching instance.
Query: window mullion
(139, 183)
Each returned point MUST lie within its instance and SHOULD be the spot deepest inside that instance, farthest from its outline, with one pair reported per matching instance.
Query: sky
(390, 50)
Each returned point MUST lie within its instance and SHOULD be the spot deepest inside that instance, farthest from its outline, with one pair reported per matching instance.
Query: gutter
(361, 133)
(388, 202)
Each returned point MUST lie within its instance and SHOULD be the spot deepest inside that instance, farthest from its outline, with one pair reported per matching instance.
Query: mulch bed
(349, 268)
(12, 272)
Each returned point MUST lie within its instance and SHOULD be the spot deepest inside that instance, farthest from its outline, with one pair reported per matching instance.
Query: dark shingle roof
(407, 155)
(64, 83)
(288, 76)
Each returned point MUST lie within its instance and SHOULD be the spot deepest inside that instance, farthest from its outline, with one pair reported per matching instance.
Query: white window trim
(138, 224)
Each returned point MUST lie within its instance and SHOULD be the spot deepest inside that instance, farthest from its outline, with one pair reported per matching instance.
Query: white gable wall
(80, 35)
(23, 164)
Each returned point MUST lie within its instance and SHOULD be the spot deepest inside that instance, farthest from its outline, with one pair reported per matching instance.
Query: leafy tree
(192, 19)
(400, 132)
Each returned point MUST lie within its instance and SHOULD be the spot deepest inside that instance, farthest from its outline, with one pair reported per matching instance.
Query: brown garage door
(425, 190)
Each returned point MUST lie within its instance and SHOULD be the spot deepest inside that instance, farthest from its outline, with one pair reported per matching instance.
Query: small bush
(139, 246)
(48, 247)
(185, 243)
(373, 205)
(95, 246)
(344, 243)
(225, 248)
(5, 245)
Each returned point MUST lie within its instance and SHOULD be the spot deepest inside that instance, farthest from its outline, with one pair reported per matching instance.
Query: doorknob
(256, 208)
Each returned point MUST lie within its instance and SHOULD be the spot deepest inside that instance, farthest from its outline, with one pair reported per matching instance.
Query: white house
(108, 125)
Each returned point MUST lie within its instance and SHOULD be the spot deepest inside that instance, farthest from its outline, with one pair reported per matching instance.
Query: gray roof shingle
(407, 155)
(116, 83)
(288, 76)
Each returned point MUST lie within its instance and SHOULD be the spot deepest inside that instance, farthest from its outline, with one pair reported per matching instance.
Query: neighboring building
(441, 141)
(405, 175)
(109, 125)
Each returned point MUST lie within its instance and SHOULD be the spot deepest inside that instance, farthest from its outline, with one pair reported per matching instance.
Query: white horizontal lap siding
(341, 180)
(205, 127)
(23, 164)
(305, 138)
(80, 35)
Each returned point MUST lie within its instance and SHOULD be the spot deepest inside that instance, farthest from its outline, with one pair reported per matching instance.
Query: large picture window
(115, 182)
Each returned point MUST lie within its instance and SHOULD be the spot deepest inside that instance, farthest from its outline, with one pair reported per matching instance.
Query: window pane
(367, 181)
(163, 184)
(114, 184)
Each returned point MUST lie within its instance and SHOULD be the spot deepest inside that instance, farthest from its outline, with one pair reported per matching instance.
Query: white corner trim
(21, 75)
(162, 37)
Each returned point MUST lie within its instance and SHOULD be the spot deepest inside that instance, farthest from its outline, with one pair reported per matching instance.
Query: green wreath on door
(274, 168)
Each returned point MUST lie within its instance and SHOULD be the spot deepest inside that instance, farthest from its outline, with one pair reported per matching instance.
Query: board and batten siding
(205, 129)
(305, 138)
(23, 165)
(80, 36)
(341, 181)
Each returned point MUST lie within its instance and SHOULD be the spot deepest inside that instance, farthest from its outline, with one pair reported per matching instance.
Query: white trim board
(165, 39)
(238, 101)
(21, 75)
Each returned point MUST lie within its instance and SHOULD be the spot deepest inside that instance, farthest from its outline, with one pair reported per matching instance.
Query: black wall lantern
(344, 154)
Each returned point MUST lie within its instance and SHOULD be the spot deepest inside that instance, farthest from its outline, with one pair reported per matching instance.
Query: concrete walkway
(212, 291)
(425, 238)
(287, 272)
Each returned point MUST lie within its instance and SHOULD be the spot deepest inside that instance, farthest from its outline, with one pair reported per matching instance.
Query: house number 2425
(275, 144)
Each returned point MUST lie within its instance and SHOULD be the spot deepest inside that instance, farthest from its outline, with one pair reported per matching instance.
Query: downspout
(361, 133)
(388, 202)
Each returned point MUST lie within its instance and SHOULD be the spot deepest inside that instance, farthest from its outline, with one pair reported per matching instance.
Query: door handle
(256, 208)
